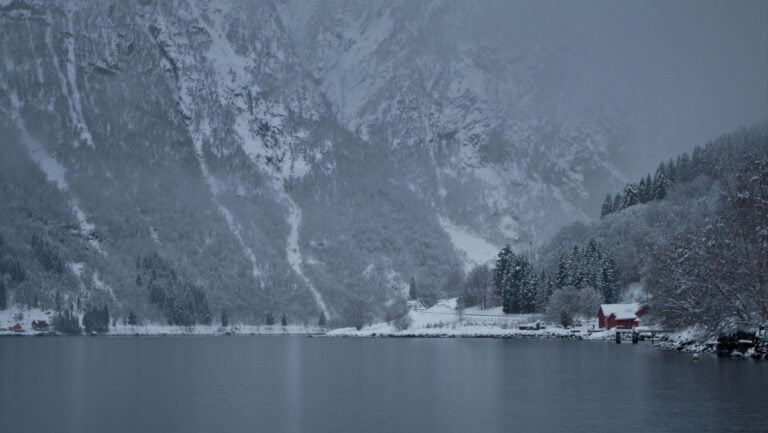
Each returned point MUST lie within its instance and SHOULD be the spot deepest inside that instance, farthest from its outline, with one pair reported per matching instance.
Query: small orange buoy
(695, 357)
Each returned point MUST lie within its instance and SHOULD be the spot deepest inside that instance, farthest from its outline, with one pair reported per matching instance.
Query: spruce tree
(610, 290)
(660, 182)
(224, 319)
(618, 202)
(631, 196)
(576, 269)
(671, 171)
(270, 320)
(528, 291)
(104, 316)
(607, 207)
(322, 320)
(413, 293)
(562, 278)
(284, 320)
(684, 168)
(650, 188)
(501, 275)
(3, 296)
(132, 319)
(642, 191)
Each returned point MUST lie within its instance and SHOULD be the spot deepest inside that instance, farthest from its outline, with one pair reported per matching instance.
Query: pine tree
(562, 278)
(591, 263)
(270, 320)
(528, 292)
(684, 168)
(104, 319)
(576, 269)
(631, 196)
(66, 323)
(642, 190)
(671, 172)
(698, 162)
(660, 182)
(618, 202)
(501, 275)
(610, 290)
(413, 292)
(607, 207)
(650, 188)
(132, 319)
(3, 296)
(515, 282)
(284, 320)
(224, 319)
(322, 320)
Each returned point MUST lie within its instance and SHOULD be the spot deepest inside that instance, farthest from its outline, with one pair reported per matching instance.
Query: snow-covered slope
(283, 156)
(497, 134)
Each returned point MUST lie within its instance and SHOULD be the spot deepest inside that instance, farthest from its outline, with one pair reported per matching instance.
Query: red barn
(621, 316)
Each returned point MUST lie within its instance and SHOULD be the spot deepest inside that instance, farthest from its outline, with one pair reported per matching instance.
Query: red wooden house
(621, 316)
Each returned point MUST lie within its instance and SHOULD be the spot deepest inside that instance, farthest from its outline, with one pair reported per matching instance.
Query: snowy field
(443, 320)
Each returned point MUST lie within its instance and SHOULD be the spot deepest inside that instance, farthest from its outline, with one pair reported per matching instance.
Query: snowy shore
(8, 320)
(439, 321)
(443, 320)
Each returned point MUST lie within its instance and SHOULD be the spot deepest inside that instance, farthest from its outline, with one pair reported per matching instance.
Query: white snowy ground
(7, 320)
(443, 320)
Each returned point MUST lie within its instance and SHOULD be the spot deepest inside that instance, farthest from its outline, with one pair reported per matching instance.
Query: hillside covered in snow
(179, 159)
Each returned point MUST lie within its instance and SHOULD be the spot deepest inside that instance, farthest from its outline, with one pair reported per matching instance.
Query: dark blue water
(299, 384)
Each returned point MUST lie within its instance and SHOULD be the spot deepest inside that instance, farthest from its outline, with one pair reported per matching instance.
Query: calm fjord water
(299, 384)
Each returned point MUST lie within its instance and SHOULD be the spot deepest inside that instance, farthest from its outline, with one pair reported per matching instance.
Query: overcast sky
(689, 69)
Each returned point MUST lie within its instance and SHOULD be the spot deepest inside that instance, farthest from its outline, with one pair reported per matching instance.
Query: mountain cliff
(279, 156)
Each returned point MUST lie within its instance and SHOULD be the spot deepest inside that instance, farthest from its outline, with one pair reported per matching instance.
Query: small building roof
(620, 311)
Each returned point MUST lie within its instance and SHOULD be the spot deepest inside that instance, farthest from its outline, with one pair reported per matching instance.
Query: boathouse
(621, 316)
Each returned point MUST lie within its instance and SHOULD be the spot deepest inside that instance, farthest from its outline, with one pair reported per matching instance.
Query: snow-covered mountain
(498, 135)
(283, 156)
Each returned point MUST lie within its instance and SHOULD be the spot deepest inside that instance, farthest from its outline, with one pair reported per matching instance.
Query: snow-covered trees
(413, 291)
(133, 320)
(515, 282)
(717, 160)
(589, 266)
(321, 321)
(3, 296)
(716, 274)
(67, 323)
(96, 320)
(568, 302)
(607, 207)
(181, 303)
(478, 288)
(356, 312)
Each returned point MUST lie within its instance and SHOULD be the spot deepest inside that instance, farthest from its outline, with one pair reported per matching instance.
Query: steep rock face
(193, 133)
(281, 156)
(493, 130)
